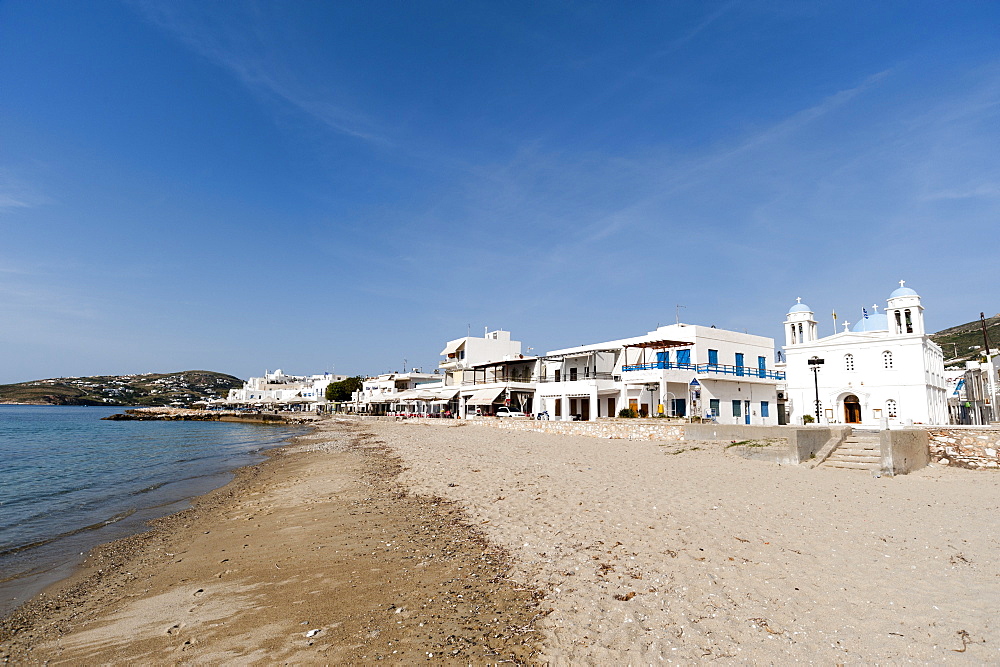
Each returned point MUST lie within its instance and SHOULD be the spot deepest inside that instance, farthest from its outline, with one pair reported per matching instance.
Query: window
(890, 408)
(899, 322)
(739, 364)
(572, 375)
(909, 322)
(848, 362)
(558, 374)
(762, 366)
(887, 359)
(683, 356)
(765, 409)
(794, 341)
(713, 405)
(713, 357)
(737, 408)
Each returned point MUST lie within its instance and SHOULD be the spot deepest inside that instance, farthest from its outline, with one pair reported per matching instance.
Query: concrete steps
(859, 451)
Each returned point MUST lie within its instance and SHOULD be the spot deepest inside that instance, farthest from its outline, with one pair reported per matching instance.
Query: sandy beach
(471, 544)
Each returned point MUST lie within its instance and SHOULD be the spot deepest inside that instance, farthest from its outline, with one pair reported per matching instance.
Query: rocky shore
(190, 414)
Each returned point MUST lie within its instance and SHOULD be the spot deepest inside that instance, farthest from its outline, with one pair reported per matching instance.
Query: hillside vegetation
(967, 340)
(150, 389)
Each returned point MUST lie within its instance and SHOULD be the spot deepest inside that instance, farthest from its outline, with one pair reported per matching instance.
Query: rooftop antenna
(468, 330)
(677, 313)
(404, 365)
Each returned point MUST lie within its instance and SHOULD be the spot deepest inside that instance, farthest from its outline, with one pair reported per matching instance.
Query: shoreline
(134, 571)
(426, 539)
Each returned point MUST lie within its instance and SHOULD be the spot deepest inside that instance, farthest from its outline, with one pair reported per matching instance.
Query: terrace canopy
(484, 396)
(662, 344)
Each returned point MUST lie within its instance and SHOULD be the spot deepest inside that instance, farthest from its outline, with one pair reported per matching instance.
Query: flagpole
(834, 322)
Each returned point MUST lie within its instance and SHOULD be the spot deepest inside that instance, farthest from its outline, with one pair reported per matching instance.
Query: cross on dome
(902, 283)
(875, 307)
(846, 323)
(798, 299)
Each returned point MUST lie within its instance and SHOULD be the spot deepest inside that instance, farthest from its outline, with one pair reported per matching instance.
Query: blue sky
(237, 186)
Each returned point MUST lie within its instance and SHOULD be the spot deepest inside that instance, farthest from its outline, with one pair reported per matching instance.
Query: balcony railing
(721, 369)
(565, 377)
(492, 379)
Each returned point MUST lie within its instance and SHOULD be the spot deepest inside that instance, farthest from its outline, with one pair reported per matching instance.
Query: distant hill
(151, 389)
(967, 340)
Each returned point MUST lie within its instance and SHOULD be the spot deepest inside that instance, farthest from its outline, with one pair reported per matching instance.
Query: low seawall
(612, 429)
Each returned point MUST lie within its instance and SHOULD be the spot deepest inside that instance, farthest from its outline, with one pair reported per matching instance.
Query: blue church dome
(800, 308)
(903, 291)
(875, 322)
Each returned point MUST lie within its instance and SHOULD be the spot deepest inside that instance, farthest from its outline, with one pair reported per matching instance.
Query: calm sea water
(69, 481)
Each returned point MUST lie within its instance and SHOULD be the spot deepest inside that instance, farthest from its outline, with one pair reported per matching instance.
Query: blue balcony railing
(705, 369)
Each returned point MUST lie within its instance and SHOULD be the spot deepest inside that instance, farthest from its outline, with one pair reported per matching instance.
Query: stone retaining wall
(965, 447)
(613, 429)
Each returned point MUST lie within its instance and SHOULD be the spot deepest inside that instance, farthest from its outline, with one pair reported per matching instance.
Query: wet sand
(315, 556)
(476, 545)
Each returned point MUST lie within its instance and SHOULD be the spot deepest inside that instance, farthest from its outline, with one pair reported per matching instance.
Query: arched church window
(909, 322)
(899, 322)
(890, 408)
(848, 362)
(802, 338)
(887, 359)
(794, 340)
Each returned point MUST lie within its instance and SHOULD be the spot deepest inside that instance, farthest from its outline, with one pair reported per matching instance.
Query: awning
(406, 396)
(484, 396)
(447, 394)
(452, 347)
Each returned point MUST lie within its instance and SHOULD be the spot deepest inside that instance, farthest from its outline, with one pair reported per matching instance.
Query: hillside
(967, 340)
(150, 389)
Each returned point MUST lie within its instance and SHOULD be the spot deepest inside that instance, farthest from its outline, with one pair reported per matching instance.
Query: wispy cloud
(15, 193)
(244, 49)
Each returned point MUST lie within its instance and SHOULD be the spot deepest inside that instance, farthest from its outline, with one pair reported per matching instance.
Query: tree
(342, 390)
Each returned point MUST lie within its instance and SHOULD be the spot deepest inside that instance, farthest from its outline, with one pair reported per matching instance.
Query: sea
(70, 481)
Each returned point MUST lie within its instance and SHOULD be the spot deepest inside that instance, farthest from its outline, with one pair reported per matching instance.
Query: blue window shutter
(739, 366)
(764, 409)
(713, 357)
(662, 357)
(683, 356)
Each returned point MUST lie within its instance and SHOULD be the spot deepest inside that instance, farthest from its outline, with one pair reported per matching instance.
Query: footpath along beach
(462, 543)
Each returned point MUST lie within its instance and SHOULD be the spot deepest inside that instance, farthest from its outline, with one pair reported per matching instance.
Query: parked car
(505, 411)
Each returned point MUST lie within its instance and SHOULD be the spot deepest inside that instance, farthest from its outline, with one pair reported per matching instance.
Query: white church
(883, 372)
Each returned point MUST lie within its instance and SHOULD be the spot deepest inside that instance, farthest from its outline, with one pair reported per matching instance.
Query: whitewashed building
(972, 392)
(885, 370)
(488, 372)
(676, 370)
(391, 393)
(278, 391)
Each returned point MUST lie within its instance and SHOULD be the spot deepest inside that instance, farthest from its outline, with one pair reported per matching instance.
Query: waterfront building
(393, 392)
(677, 370)
(278, 391)
(883, 371)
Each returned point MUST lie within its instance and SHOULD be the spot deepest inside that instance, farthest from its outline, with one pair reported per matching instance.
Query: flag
(865, 311)
(834, 315)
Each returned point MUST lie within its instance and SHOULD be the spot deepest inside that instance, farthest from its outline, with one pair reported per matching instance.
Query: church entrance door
(852, 409)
